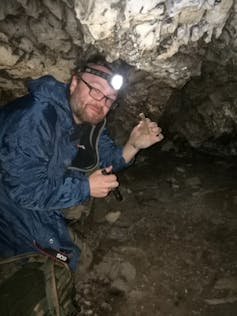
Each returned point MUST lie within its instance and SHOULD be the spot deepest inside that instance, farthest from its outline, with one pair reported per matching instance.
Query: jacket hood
(49, 90)
(47, 87)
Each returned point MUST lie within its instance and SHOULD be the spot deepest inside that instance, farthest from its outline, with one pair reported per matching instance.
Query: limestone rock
(179, 56)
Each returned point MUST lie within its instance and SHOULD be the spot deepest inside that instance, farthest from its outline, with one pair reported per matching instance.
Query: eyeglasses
(99, 96)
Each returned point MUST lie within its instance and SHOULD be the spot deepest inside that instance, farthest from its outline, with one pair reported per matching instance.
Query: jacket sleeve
(110, 154)
(33, 173)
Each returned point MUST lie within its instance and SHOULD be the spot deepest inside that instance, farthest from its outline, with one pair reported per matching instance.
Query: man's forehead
(99, 80)
(100, 67)
(105, 74)
(94, 77)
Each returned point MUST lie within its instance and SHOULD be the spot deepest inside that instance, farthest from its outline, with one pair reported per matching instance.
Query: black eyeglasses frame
(114, 103)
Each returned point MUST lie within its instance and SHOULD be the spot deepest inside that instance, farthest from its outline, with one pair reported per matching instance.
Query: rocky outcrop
(165, 44)
(160, 37)
(204, 112)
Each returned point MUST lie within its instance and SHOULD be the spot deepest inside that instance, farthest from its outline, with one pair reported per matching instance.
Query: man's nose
(101, 103)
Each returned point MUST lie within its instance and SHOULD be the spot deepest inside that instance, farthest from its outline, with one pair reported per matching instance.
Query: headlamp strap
(97, 72)
(108, 77)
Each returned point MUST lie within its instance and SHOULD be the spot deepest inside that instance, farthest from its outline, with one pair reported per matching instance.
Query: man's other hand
(100, 184)
(145, 134)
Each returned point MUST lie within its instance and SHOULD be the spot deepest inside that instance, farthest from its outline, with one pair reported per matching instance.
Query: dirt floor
(169, 248)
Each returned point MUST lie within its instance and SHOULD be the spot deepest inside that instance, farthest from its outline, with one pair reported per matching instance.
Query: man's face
(87, 99)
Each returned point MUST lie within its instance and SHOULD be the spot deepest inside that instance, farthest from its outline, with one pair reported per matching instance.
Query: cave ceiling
(181, 57)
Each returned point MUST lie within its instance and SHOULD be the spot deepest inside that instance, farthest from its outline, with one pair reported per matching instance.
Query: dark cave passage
(169, 248)
(177, 227)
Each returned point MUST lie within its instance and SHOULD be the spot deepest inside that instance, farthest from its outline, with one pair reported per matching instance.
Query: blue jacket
(35, 178)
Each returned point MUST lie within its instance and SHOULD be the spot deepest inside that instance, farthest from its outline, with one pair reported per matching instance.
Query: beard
(87, 113)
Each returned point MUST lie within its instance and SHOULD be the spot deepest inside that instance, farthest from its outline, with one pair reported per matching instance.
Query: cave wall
(181, 55)
(204, 112)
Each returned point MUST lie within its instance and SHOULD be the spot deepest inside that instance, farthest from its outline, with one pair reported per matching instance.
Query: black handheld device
(116, 192)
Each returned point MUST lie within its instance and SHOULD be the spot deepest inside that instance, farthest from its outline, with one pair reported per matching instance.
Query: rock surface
(181, 57)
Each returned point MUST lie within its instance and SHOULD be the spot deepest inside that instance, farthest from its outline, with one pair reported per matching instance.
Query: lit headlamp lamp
(114, 80)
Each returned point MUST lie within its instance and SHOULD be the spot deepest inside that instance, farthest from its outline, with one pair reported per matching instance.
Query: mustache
(95, 106)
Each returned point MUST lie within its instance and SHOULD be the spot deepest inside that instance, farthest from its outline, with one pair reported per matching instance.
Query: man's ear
(74, 83)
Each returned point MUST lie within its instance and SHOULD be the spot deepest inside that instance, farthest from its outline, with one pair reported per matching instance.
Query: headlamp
(114, 80)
